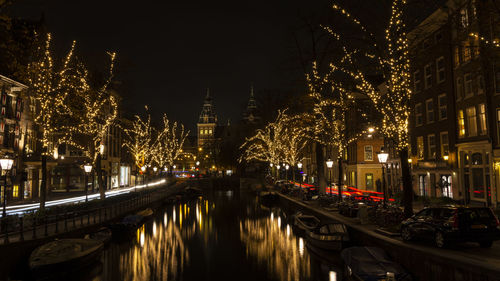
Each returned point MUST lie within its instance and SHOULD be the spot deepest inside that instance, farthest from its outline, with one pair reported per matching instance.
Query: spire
(208, 93)
(207, 114)
(251, 91)
(251, 114)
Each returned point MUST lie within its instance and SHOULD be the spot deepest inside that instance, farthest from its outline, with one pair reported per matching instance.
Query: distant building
(251, 114)
(207, 122)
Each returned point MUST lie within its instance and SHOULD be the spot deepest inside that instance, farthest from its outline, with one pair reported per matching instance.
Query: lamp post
(6, 165)
(88, 170)
(329, 164)
(286, 172)
(143, 169)
(382, 158)
(278, 171)
(299, 165)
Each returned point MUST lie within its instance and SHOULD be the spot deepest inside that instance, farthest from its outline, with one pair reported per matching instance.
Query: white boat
(332, 236)
(305, 222)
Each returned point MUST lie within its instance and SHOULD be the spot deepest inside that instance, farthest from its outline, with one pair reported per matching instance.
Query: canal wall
(15, 255)
(424, 263)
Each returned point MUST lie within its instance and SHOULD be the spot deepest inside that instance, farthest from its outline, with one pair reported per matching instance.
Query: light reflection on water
(197, 241)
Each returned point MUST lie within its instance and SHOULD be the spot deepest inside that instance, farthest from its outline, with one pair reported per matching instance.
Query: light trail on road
(20, 209)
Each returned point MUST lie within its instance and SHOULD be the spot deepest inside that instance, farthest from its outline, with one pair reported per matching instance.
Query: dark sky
(169, 52)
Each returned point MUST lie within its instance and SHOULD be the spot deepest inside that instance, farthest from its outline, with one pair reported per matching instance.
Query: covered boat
(305, 222)
(371, 264)
(64, 254)
(125, 229)
(332, 236)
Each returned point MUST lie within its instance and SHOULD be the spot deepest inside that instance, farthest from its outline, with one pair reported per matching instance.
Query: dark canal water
(224, 235)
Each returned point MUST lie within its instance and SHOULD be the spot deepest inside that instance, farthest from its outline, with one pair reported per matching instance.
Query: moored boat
(125, 229)
(104, 235)
(371, 264)
(332, 236)
(64, 254)
(305, 222)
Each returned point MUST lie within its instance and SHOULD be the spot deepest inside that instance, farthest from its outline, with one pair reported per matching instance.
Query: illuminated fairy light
(494, 42)
(169, 142)
(394, 105)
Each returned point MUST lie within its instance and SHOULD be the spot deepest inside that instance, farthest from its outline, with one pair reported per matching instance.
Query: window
(420, 147)
(456, 57)
(471, 121)
(445, 143)
(368, 153)
(369, 180)
(419, 120)
(440, 74)
(482, 119)
(480, 84)
(443, 109)
(428, 76)
(460, 88)
(461, 124)
(417, 84)
(468, 85)
(210, 131)
(467, 54)
(464, 17)
(431, 139)
(497, 82)
(498, 121)
(429, 104)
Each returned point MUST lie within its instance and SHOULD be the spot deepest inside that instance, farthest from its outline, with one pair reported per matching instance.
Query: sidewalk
(469, 259)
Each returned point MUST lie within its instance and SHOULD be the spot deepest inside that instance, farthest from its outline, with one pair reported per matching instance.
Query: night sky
(169, 52)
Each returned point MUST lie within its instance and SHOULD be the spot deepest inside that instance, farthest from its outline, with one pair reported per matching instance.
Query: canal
(223, 235)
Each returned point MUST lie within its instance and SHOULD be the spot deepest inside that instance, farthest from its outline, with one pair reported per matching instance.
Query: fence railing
(21, 228)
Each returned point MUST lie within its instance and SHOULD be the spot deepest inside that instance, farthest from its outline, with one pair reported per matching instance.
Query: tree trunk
(340, 179)
(100, 182)
(320, 162)
(407, 184)
(43, 186)
(293, 174)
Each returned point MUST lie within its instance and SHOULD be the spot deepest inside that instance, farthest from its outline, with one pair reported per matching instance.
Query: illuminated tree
(100, 109)
(393, 64)
(139, 141)
(51, 88)
(294, 138)
(332, 104)
(169, 142)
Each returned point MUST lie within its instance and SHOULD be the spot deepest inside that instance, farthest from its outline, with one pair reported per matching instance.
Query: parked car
(445, 225)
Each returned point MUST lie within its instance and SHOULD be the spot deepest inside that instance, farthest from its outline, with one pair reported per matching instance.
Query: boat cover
(372, 263)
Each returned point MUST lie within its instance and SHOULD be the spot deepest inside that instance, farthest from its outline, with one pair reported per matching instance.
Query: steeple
(207, 114)
(251, 112)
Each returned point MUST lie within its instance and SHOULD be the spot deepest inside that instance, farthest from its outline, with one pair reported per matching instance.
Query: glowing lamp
(329, 163)
(87, 168)
(299, 165)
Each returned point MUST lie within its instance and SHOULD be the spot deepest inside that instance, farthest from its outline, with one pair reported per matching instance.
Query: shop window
(369, 181)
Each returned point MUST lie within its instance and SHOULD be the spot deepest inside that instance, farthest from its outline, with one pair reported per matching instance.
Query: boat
(305, 222)
(332, 236)
(268, 197)
(104, 235)
(372, 263)
(125, 229)
(64, 254)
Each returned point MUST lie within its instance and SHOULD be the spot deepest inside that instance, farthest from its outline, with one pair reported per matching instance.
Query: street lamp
(286, 172)
(299, 165)
(329, 164)
(197, 163)
(6, 165)
(155, 169)
(446, 156)
(382, 158)
(88, 169)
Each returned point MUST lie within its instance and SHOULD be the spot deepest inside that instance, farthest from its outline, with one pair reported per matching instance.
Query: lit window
(468, 85)
(428, 76)
(471, 121)
(440, 73)
(482, 119)
(461, 124)
(432, 146)
(369, 180)
(418, 115)
(417, 84)
(467, 51)
(420, 147)
(15, 191)
(445, 144)
(460, 88)
(429, 104)
(457, 57)
(368, 153)
(443, 110)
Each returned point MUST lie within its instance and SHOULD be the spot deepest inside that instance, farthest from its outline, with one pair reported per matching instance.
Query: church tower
(251, 116)
(207, 121)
